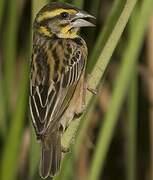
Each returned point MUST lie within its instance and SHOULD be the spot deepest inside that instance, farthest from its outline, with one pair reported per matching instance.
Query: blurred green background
(114, 139)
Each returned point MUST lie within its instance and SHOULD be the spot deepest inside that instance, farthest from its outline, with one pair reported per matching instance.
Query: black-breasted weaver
(57, 85)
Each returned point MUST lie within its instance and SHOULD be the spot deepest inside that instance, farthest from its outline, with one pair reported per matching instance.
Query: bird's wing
(54, 76)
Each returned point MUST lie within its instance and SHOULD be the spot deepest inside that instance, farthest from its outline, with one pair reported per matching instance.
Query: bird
(57, 78)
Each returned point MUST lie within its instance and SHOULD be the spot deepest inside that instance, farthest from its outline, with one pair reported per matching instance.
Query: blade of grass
(10, 151)
(9, 60)
(34, 154)
(150, 90)
(119, 92)
(94, 9)
(2, 3)
(2, 111)
(9, 49)
(62, 1)
(101, 65)
(131, 130)
(132, 112)
(95, 6)
(105, 32)
(78, 3)
(66, 172)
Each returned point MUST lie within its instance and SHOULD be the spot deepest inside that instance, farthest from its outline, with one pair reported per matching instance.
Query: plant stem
(10, 50)
(102, 38)
(10, 153)
(131, 130)
(120, 87)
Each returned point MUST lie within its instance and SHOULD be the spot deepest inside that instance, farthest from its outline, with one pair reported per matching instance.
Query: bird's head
(61, 19)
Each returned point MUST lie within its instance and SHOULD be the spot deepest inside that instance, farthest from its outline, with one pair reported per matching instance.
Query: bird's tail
(51, 155)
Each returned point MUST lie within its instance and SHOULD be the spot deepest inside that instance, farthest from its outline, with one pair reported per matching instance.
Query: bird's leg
(92, 90)
(62, 130)
(65, 149)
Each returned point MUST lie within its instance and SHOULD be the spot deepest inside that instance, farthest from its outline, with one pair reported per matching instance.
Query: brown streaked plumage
(57, 78)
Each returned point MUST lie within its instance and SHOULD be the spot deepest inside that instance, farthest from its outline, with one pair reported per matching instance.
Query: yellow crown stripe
(50, 14)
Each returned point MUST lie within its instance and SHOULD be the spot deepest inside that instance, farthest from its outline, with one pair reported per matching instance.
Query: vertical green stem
(78, 3)
(10, 42)
(91, 32)
(67, 168)
(132, 111)
(2, 111)
(11, 148)
(120, 87)
(131, 130)
(2, 3)
(105, 32)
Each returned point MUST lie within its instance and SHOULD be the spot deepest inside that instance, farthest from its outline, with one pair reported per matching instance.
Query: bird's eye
(64, 14)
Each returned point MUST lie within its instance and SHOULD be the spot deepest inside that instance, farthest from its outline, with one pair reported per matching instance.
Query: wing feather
(50, 98)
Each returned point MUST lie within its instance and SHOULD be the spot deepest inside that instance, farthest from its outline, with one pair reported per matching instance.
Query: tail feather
(56, 159)
(51, 156)
(46, 162)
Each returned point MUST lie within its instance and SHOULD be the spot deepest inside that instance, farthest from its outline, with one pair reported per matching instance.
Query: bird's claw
(93, 91)
(65, 150)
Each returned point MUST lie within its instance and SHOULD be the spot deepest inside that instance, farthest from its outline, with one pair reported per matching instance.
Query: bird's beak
(79, 20)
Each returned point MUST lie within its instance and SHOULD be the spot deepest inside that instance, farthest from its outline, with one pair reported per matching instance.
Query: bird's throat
(65, 32)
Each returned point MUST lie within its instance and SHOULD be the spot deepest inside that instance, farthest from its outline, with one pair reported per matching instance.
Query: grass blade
(132, 112)
(34, 154)
(66, 172)
(2, 3)
(131, 131)
(78, 3)
(2, 111)
(120, 88)
(105, 32)
(14, 137)
(9, 49)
